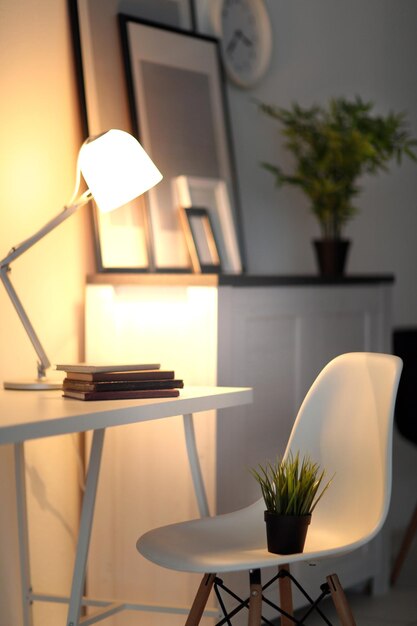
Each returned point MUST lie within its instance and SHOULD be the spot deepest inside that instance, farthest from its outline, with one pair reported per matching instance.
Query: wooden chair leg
(285, 596)
(200, 600)
(340, 601)
(405, 546)
(255, 598)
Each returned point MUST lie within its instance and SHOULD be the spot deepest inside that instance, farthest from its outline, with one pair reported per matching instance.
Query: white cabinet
(276, 339)
(272, 334)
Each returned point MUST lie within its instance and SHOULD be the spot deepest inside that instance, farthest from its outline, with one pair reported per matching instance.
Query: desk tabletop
(34, 414)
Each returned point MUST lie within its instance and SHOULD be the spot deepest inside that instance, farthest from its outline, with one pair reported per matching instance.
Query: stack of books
(117, 382)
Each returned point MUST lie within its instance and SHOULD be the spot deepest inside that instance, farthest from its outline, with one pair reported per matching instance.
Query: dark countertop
(233, 280)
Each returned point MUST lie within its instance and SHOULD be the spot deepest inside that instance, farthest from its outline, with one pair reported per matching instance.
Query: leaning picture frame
(201, 241)
(122, 241)
(179, 113)
(212, 193)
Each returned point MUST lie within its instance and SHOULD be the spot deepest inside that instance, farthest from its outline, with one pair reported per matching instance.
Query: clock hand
(245, 39)
(233, 42)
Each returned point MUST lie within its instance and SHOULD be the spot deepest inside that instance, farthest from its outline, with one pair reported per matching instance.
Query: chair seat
(232, 542)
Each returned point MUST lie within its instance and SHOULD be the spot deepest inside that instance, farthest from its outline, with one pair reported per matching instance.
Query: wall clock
(244, 30)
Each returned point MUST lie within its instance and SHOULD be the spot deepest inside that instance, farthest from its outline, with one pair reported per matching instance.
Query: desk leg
(86, 522)
(23, 534)
(195, 467)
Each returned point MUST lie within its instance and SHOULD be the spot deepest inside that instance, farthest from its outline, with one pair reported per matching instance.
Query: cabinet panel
(277, 340)
(263, 357)
(145, 479)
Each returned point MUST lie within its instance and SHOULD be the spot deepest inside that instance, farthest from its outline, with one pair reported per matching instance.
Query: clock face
(245, 32)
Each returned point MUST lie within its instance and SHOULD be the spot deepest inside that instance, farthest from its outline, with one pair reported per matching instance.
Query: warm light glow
(116, 169)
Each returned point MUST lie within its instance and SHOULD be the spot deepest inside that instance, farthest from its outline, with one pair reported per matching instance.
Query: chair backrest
(345, 423)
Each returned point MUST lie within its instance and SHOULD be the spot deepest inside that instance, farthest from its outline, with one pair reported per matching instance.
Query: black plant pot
(286, 534)
(331, 256)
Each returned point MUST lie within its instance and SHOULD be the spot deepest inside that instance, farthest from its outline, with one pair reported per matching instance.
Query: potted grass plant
(333, 146)
(291, 489)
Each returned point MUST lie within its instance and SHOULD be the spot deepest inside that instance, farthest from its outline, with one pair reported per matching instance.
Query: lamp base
(35, 384)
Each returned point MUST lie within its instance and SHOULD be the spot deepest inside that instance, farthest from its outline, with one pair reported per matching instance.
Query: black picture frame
(213, 195)
(100, 75)
(201, 240)
(179, 113)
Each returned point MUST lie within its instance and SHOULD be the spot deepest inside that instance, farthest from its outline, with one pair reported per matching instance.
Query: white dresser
(270, 333)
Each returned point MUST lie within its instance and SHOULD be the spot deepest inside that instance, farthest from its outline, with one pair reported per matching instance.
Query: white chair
(345, 424)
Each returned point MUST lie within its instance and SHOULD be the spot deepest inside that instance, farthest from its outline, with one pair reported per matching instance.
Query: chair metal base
(256, 597)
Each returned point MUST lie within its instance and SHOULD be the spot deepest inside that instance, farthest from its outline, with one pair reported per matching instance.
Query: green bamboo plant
(332, 147)
(291, 486)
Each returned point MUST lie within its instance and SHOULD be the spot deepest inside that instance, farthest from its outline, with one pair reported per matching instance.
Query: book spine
(121, 376)
(121, 395)
(74, 385)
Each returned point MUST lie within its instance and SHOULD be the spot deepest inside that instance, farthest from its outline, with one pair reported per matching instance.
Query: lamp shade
(116, 169)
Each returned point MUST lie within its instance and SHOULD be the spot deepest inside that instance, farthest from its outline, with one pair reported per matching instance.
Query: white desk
(28, 415)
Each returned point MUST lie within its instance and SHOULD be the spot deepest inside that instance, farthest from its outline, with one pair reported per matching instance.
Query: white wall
(40, 136)
(322, 49)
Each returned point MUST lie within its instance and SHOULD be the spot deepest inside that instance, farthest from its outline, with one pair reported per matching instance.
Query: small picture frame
(201, 242)
(212, 193)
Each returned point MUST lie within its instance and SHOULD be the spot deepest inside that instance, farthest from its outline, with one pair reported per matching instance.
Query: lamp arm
(44, 362)
(5, 270)
(66, 212)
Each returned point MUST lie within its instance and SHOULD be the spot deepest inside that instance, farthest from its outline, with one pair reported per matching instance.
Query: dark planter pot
(286, 534)
(331, 256)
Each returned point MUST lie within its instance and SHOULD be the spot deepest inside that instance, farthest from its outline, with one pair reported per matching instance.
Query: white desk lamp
(116, 169)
